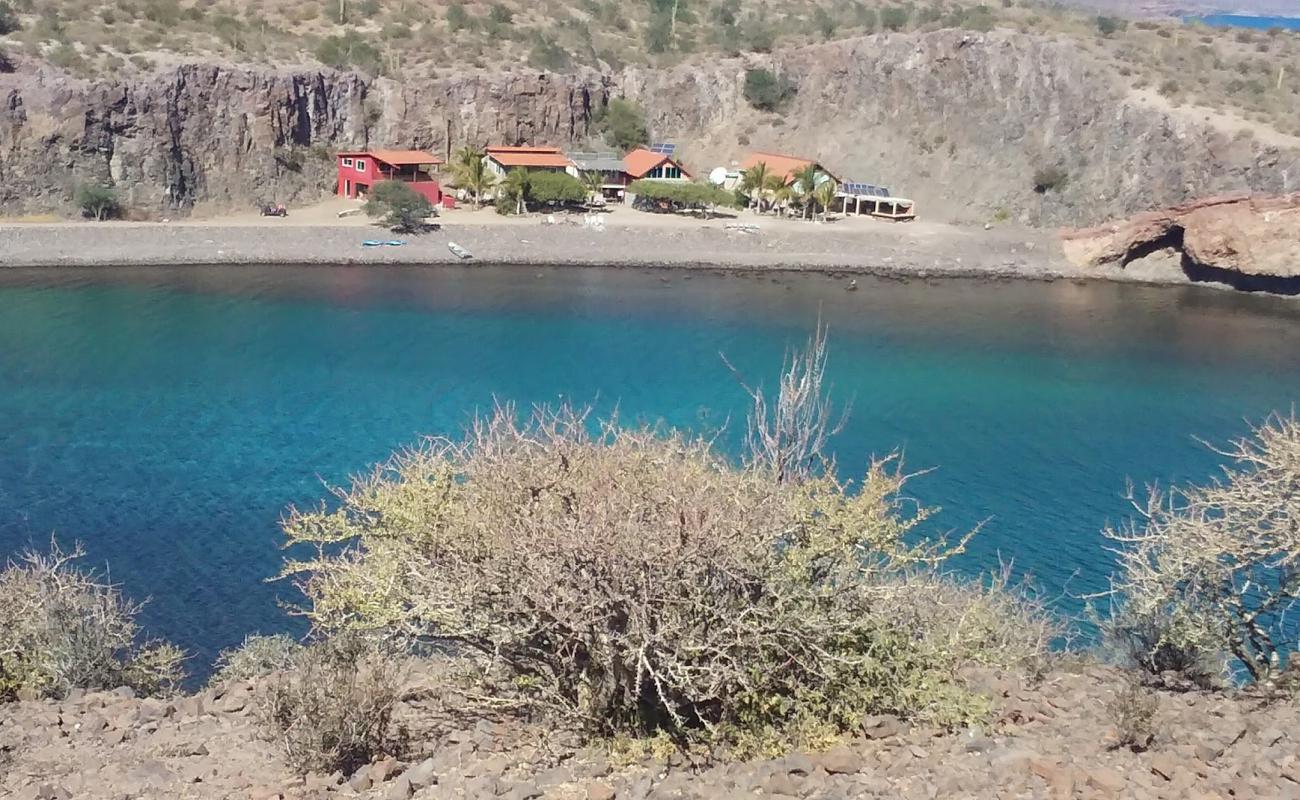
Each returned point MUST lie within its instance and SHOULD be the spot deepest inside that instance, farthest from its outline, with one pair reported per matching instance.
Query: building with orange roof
(782, 165)
(501, 159)
(359, 170)
(643, 163)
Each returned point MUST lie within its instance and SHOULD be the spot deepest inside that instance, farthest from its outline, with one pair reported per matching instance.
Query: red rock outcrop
(1219, 238)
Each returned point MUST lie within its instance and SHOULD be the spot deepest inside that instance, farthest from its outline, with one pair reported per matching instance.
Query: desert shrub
(6, 63)
(457, 17)
(1108, 26)
(1133, 713)
(623, 124)
(1050, 178)
(768, 91)
(8, 19)
(332, 708)
(62, 628)
(351, 50)
(255, 657)
(1215, 569)
(401, 208)
(633, 581)
(894, 18)
(547, 54)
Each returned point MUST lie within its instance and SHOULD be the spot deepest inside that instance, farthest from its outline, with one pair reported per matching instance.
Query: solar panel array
(663, 149)
(864, 190)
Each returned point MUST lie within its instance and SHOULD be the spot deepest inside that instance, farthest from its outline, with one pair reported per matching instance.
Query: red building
(361, 169)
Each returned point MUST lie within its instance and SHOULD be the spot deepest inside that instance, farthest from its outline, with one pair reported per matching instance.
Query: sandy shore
(628, 238)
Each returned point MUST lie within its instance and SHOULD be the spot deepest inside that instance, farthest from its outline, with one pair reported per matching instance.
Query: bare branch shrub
(332, 708)
(790, 437)
(634, 581)
(1211, 573)
(257, 656)
(63, 628)
(1133, 712)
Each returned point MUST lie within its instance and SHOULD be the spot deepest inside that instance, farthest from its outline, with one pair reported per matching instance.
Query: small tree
(470, 172)
(1215, 569)
(512, 193)
(895, 18)
(8, 18)
(623, 124)
(1050, 178)
(403, 209)
(767, 91)
(1109, 26)
(555, 188)
(98, 200)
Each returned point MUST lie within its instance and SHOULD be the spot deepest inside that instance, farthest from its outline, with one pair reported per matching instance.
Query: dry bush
(257, 656)
(1213, 572)
(62, 628)
(634, 581)
(1133, 713)
(332, 708)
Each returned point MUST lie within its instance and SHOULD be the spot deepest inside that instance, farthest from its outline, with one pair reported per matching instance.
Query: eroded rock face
(958, 121)
(1242, 240)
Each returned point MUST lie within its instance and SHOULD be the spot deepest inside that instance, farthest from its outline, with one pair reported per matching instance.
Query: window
(347, 162)
(361, 165)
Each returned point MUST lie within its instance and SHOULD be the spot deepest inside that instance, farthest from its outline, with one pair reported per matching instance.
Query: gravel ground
(870, 248)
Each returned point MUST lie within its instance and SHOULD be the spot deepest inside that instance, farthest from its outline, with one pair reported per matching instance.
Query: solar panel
(663, 149)
(864, 190)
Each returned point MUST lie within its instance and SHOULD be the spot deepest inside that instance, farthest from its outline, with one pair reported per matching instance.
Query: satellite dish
(718, 176)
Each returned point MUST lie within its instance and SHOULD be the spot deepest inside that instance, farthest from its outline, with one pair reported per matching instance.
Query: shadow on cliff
(1197, 272)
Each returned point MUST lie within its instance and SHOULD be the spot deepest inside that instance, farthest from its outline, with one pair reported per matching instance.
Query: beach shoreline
(859, 246)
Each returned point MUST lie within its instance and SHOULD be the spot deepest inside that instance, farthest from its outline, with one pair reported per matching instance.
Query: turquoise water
(1243, 21)
(166, 417)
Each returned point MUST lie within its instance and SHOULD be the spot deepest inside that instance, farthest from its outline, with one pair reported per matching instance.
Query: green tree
(555, 188)
(805, 188)
(767, 91)
(402, 208)
(623, 124)
(755, 183)
(680, 195)
(1109, 26)
(593, 180)
(825, 23)
(825, 196)
(470, 172)
(98, 200)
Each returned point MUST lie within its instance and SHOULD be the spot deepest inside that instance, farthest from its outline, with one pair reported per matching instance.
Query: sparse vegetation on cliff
(63, 628)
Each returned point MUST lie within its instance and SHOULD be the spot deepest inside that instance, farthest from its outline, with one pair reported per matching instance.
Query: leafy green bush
(681, 195)
(98, 200)
(634, 581)
(61, 628)
(768, 91)
(256, 657)
(555, 188)
(402, 208)
(1109, 26)
(623, 124)
(333, 707)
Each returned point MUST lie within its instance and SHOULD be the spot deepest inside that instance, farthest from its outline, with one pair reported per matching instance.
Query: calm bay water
(166, 417)
(1244, 21)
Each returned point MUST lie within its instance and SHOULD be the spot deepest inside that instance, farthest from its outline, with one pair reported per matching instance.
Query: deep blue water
(1243, 21)
(167, 417)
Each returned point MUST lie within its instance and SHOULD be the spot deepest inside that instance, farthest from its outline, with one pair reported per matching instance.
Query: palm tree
(594, 182)
(825, 195)
(805, 187)
(755, 183)
(470, 172)
(776, 187)
(515, 187)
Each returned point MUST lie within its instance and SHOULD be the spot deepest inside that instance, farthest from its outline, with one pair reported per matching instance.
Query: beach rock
(600, 791)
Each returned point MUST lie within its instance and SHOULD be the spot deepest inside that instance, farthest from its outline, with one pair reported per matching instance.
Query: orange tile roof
(777, 164)
(524, 156)
(397, 157)
(640, 161)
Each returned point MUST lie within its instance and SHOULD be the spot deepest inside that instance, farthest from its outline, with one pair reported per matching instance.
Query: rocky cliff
(958, 121)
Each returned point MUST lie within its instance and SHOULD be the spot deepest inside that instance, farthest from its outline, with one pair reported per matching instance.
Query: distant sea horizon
(1262, 23)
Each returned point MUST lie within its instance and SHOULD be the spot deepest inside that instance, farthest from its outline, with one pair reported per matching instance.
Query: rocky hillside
(1060, 738)
(966, 123)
